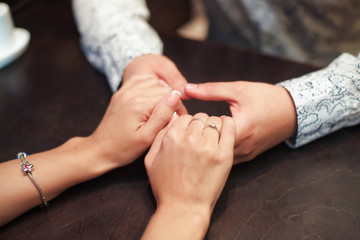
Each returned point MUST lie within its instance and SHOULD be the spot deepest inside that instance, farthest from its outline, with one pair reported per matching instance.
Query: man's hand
(265, 114)
(160, 66)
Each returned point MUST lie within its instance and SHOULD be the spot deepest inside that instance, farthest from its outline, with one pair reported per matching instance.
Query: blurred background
(186, 18)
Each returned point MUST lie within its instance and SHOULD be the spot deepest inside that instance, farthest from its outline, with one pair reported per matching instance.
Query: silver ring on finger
(198, 119)
(213, 126)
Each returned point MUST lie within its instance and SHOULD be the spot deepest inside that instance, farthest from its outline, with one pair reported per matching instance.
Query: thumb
(162, 113)
(212, 91)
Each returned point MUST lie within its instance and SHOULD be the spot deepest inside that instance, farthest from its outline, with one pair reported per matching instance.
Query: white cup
(13, 41)
(6, 27)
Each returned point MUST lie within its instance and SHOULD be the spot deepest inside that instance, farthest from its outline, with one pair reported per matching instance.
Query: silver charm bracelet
(27, 168)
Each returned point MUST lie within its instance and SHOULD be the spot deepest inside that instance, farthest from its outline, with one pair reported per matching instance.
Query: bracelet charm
(27, 168)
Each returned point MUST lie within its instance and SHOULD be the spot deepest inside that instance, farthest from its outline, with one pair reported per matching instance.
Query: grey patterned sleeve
(326, 100)
(113, 32)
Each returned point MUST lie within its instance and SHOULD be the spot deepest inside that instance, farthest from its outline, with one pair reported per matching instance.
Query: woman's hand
(188, 165)
(137, 112)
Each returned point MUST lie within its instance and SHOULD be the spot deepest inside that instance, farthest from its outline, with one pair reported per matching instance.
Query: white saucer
(21, 41)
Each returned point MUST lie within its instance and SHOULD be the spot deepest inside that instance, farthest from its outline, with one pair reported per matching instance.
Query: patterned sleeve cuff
(326, 100)
(113, 32)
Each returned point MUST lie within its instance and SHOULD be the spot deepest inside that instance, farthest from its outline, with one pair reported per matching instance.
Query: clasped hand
(190, 159)
(265, 114)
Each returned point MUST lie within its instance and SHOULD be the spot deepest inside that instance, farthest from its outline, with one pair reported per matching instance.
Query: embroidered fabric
(113, 32)
(326, 100)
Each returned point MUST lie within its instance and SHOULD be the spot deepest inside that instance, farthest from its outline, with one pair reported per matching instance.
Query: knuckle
(136, 103)
(216, 120)
(201, 115)
(225, 160)
(170, 137)
(190, 140)
(218, 161)
(229, 120)
(122, 96)
(208, 151)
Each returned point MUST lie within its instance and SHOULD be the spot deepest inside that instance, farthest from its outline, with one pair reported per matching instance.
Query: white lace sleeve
(113, 32)
(326, 100)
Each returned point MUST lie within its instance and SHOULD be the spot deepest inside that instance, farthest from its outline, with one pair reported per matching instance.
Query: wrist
(197, 216)
(177, 222)
(290, 114)
(138, 65)
(90, 156)
(71, 163)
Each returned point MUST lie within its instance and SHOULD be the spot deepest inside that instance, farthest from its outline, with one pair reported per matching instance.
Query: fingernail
(173, 119)
(174, 98)
(191, 86)
(176, 92)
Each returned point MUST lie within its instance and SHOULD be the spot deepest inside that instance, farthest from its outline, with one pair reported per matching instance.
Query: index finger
(211, 91)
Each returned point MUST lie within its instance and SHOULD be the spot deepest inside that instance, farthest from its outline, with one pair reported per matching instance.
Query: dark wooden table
(51, 94)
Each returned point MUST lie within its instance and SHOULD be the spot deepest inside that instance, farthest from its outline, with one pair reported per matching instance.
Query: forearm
(113, 32)
(326, 100)
(177, 223)
(55, 171)
(128, 128)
